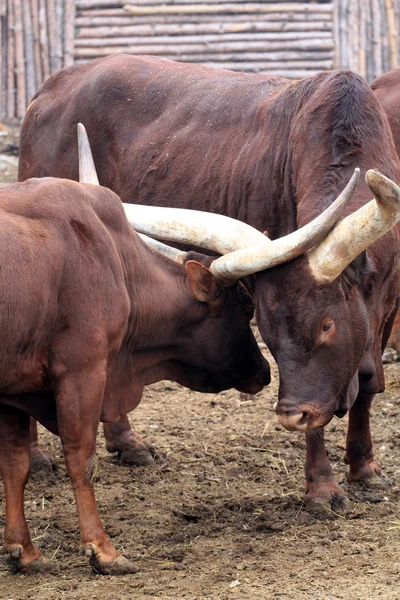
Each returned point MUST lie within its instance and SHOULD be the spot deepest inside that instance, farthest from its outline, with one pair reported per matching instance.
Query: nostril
(303, 418)
(293, 419)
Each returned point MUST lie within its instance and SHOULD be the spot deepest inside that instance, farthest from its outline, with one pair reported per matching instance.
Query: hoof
(138, 457)
(37, 566)
(36, 563)
(42, 466)
(389, 356)
(119, 566)
(328, 496)
(337, 503)
(137, 454)
(370, 475)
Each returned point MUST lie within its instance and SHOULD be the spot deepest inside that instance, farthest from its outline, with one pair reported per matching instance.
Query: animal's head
(318, 333)
(322, 315)
(215, 341)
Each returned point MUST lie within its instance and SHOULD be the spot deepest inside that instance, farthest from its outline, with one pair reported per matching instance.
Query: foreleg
(79, 398)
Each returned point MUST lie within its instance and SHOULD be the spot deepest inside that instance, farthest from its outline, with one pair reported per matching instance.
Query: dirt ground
(221, 515)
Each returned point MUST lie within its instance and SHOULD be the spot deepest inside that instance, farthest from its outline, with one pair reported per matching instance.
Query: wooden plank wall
(36, 39)
(367, 36)
(287, 38)
(291, 39)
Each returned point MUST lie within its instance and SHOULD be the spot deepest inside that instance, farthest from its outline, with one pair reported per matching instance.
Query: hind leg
(40, 462)
(14, 469)
(359, 450)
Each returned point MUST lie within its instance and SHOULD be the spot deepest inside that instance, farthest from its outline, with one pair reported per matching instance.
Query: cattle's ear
(360, 268)
(203, 284)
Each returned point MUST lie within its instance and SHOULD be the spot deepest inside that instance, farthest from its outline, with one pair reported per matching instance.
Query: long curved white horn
(258, 258)
(205, 230)
(225, 235)
(168, 251)
(87, 170)
(359, 230)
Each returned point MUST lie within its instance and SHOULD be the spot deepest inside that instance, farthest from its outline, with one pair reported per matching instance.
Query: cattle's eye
(328, 329)
(327, 326)
(249, 311)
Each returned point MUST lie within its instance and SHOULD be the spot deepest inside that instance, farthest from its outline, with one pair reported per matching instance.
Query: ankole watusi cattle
(90, 315)
(273, 153)
(387, 89)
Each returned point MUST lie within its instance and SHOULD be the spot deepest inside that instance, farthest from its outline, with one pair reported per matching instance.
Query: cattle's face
(320, 337)
(217, 346)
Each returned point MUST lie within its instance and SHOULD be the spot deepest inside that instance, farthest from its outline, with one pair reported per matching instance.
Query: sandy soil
(221, 514)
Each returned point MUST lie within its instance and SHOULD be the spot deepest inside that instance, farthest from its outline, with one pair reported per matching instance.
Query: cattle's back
(173, 134)
(161, 132)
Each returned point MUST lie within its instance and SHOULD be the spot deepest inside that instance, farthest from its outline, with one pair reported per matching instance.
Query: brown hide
(269, 151)
(387, 89)
(88, 316)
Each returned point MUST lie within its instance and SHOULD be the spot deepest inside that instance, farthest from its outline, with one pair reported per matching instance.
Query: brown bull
(273, 153)
(89, 315)
(387, 89)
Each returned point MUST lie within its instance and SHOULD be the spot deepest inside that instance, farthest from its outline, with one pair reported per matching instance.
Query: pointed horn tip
(354, 178)
(383, 188)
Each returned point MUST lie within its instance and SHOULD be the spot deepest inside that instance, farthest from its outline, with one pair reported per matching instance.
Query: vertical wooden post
(36, 41)
(52, 33)
(362, 69)
(29, 51)
(44, 39)
(19, 59)
(376, 39)
(369, 41)
(344, 53)
(4, 51)
(10, 61)
(336, 34)
(352, 28)
(69, 44)
(3, 58)
(391, 26)
(59, 28)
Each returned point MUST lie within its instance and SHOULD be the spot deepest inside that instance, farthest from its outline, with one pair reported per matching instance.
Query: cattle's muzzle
(301, 417)
(257, 383)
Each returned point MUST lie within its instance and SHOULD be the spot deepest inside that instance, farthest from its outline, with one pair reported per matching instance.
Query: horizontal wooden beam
(221, 8)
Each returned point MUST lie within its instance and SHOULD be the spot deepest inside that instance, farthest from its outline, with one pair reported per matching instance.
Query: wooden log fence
(367, 36)
(287, 38)
(35, 40)
(270, 36)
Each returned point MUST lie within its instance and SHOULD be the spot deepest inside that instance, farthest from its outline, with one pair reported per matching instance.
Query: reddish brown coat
(88, 316)
(387, 89)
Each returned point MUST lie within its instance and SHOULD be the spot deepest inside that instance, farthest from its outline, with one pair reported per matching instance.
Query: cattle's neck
(159, 297)
(339, 126)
